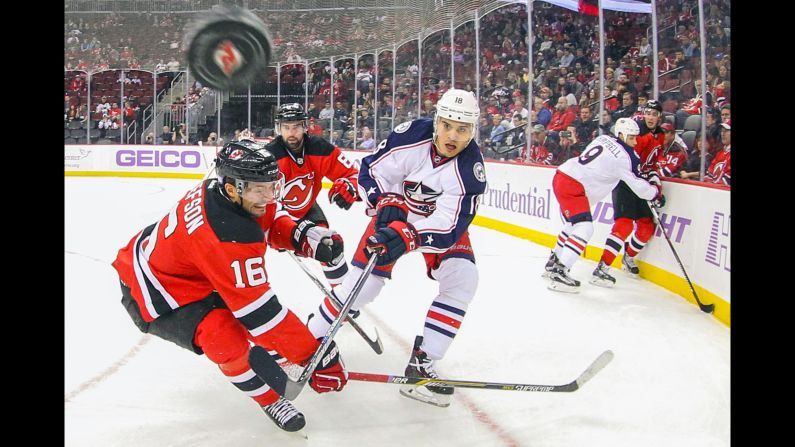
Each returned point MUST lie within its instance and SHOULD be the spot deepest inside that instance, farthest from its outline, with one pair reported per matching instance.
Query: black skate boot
(285, 415)
(601, 277)
(421, 366)
(628, 263)
(553, 259)
(561, 281)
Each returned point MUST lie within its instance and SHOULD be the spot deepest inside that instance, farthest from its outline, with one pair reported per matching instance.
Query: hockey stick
(376, 344)
(270, 371)
(597, 365)
(708, 308)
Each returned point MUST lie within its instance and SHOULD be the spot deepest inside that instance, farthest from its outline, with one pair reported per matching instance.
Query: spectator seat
(689, 137)
(693, 122)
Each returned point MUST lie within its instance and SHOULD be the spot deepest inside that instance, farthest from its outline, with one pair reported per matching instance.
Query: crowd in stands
(366, 100)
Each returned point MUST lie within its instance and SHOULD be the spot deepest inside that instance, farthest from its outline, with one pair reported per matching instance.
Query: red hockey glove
(330, 374)
(393, 241)
(342, 193)
(318, 242)
(389, 208)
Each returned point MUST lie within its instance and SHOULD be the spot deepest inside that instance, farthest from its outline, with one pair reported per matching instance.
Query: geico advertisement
(138, 158)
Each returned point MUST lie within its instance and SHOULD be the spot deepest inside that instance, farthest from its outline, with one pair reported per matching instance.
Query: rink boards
(518, 201)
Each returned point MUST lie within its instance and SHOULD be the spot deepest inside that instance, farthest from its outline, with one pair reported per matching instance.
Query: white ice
(668, 384)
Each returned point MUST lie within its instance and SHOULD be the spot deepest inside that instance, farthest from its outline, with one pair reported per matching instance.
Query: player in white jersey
(421, 188)
(582, 181)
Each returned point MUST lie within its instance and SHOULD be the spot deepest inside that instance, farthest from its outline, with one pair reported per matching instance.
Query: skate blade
(560, 287)
(424, 395)
(602, 283)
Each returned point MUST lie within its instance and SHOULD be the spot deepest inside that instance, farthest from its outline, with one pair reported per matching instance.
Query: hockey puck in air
(227, 48)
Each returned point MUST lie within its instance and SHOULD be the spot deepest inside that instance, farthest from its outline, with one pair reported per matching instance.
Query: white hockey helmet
(627, 127)
(458, 105)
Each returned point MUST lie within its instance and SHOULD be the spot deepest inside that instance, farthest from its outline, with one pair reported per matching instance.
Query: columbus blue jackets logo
(403, 127)
(420, 198)
(479, 172)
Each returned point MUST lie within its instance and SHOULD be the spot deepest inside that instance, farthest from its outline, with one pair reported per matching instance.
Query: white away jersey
(604, 162)
(441, 193)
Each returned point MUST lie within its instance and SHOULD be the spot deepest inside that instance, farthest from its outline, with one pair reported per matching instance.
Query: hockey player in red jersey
(305, 160)
(630, 211)
(197, 276)
(583, 181)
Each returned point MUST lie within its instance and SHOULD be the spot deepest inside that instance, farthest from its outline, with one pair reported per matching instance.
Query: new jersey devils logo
(298, 192)
(228, 58)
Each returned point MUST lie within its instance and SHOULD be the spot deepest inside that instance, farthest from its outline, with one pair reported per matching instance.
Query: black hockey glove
(659, 201)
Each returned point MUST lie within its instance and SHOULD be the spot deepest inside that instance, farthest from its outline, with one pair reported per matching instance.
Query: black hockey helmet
(291, 112)
(247, 161)
(654, 104)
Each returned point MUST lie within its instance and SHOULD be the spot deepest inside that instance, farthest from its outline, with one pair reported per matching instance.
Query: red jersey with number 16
(207, 243)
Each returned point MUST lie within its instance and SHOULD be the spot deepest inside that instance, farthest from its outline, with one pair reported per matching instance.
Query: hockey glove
(330, 374)
(317, 242)
(654, 179)
(393, 241)
(343, 193)
(659, 201)
(389, 208)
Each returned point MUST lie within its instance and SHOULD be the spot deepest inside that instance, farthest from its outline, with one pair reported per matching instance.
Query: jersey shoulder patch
(479, 171)
(472, 169)
(403, 127)
(228, 221)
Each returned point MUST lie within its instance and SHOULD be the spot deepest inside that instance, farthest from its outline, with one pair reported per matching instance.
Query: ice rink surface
(668, 384)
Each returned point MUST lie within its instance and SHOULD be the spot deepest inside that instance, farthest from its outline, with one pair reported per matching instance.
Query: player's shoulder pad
(472, 168)
(227, 220)
(277, 148)
(314, 145)
(411, 132)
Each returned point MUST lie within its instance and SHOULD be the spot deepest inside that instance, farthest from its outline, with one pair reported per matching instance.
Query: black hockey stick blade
(266, 368)
(376, 344)
(707, 308)
(596, 366)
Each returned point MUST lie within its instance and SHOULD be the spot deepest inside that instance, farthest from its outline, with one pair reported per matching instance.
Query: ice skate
(600, 276)
(285, 415)
(550, 263)
(421, 366)
(628, 265)
(560, 280)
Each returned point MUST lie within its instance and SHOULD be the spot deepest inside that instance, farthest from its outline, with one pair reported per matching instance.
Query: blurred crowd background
(363, 67)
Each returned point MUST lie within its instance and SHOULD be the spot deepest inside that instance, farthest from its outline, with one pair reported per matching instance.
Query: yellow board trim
(650, 272)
